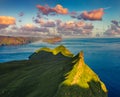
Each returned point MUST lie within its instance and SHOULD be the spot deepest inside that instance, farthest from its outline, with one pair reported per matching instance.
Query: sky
(67, 18)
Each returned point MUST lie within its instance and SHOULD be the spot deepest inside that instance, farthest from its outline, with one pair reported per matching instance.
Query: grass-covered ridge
(55, 51)
(50, 73)
(81, 81)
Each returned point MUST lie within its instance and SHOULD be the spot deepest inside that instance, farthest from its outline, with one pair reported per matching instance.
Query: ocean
(101, 54)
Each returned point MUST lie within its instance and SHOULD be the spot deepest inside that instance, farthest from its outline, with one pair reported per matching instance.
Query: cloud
(48, 24)
(25, 30)
(80, 24)
(43, 23)
(45, 10)
(37, 21)
(33, 28)
(58, 9)
(114, 29)
(39, 15)
(50, 27)
(21, 14)
(91, 15)
(68, 28)
(28, 27)
(107, 8)
(6, 21)
(58, 22)
(19, 20)
(75, 28)
(94, 15)
(73, 14)
(115, 22)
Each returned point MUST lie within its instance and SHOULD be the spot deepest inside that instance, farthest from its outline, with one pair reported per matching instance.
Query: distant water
(101, 54)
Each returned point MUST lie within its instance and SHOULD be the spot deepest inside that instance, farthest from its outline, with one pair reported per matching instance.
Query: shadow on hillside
(39, 76)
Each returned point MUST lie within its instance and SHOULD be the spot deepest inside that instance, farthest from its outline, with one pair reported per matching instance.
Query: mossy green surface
(50, 73)
(60, 49)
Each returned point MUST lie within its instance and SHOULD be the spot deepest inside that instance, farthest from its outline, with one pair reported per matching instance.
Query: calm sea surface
(101, 54)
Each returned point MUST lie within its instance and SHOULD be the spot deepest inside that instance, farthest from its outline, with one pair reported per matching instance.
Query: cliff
(50, 73)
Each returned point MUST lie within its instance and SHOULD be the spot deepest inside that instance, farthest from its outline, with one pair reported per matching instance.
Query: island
(52, 40)
(12, 40)
(17, 40)
(50, 73)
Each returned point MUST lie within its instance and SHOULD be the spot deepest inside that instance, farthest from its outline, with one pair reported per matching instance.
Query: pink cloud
(46, 10)
(114, 30)
(75, 28)
(6, 21)
(60, 10)
(93, 15)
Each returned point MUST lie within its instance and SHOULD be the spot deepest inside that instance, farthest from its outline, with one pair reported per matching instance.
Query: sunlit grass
(55, 51)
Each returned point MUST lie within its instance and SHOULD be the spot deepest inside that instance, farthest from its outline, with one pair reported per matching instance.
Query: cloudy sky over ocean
(60, 17)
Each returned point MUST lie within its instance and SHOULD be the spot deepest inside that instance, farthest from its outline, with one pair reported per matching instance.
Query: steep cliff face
(50, 73)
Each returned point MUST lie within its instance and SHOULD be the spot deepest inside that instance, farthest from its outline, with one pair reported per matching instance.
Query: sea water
(101, 54)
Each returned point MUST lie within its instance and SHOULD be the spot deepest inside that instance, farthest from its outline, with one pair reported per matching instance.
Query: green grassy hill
(50, 73)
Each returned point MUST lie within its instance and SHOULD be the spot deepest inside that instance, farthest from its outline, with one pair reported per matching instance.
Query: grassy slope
(50, 73)
(81, 81)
